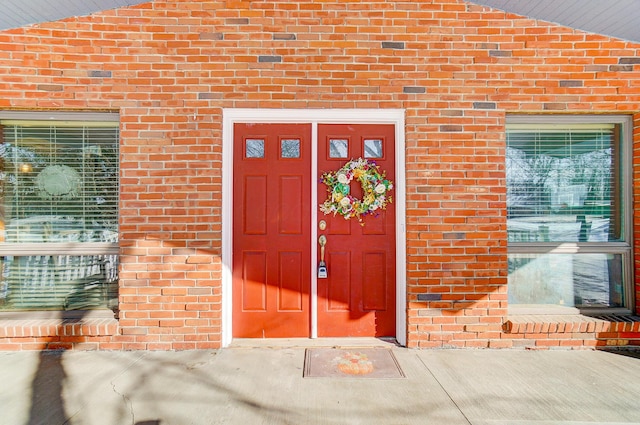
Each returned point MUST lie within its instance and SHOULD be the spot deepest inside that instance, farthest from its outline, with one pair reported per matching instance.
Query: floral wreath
(374, 188)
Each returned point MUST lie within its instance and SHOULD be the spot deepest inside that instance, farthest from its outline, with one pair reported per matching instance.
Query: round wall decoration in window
(58, 182)
(375, 188)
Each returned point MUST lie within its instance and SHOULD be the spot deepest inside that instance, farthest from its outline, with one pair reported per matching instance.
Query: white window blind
(563, 184)
(59, 191)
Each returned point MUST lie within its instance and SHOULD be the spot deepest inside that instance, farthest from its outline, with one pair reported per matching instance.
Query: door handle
(322, 240)
(322, 267)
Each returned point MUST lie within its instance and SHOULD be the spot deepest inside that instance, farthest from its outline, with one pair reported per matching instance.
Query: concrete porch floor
(260, 382)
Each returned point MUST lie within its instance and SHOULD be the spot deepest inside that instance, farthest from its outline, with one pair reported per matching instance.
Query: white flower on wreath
(380, 189)
(345, 202)
(342, 178)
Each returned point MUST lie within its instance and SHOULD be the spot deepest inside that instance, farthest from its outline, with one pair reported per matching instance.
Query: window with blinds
(566, 217)
(59, 211)
(563, 184)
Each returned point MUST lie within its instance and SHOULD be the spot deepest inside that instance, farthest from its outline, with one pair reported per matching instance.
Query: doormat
(351, 363)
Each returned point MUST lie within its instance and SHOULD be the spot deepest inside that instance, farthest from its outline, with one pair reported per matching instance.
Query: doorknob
(322, 267)
(322, 240)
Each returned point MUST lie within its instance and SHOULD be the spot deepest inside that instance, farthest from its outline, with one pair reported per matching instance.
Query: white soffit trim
(20, 13)
(613, 18)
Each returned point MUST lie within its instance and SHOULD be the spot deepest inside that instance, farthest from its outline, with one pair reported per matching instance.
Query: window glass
(566, 209)
(568, 280)
(59, 282)
(338, 148)
(254, 148)
(290, 148)
(59, 183)
(564, 184)
(373, 148)
(59, 189)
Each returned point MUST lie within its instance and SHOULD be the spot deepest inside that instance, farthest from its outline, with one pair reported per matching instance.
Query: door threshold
(313, 342)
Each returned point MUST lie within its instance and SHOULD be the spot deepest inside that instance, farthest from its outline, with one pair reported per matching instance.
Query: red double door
(272, 235)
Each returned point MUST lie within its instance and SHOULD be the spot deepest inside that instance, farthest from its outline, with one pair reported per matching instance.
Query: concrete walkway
(264, 385)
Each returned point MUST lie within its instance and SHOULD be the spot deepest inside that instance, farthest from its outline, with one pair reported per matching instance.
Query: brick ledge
(536, 323)
(24, 328)
(573, 330)
(548, 323)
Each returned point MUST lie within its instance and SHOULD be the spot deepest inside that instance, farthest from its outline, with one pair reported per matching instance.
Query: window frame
(17, 249)
(624, 248)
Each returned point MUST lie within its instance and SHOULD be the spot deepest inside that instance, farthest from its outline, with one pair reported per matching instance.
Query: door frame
(230, 116)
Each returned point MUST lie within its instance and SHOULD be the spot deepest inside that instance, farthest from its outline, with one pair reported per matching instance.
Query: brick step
(56, 334)
(573, 331)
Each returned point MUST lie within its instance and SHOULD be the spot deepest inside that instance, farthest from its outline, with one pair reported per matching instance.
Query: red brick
(171, 183)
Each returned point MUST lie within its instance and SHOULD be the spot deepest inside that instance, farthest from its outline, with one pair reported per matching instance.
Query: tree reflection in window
(557, 174)
(56, 173)
(254, 148)
(338, 148)
(373, 148)
(290, 148)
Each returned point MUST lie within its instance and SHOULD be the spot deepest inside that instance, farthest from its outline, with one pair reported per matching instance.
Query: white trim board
(230, 116)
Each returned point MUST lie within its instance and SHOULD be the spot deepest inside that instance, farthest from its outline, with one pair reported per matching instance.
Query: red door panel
(358, 297)
(271, 230)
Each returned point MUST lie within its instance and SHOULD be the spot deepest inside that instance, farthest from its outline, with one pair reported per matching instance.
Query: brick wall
(170, 67)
